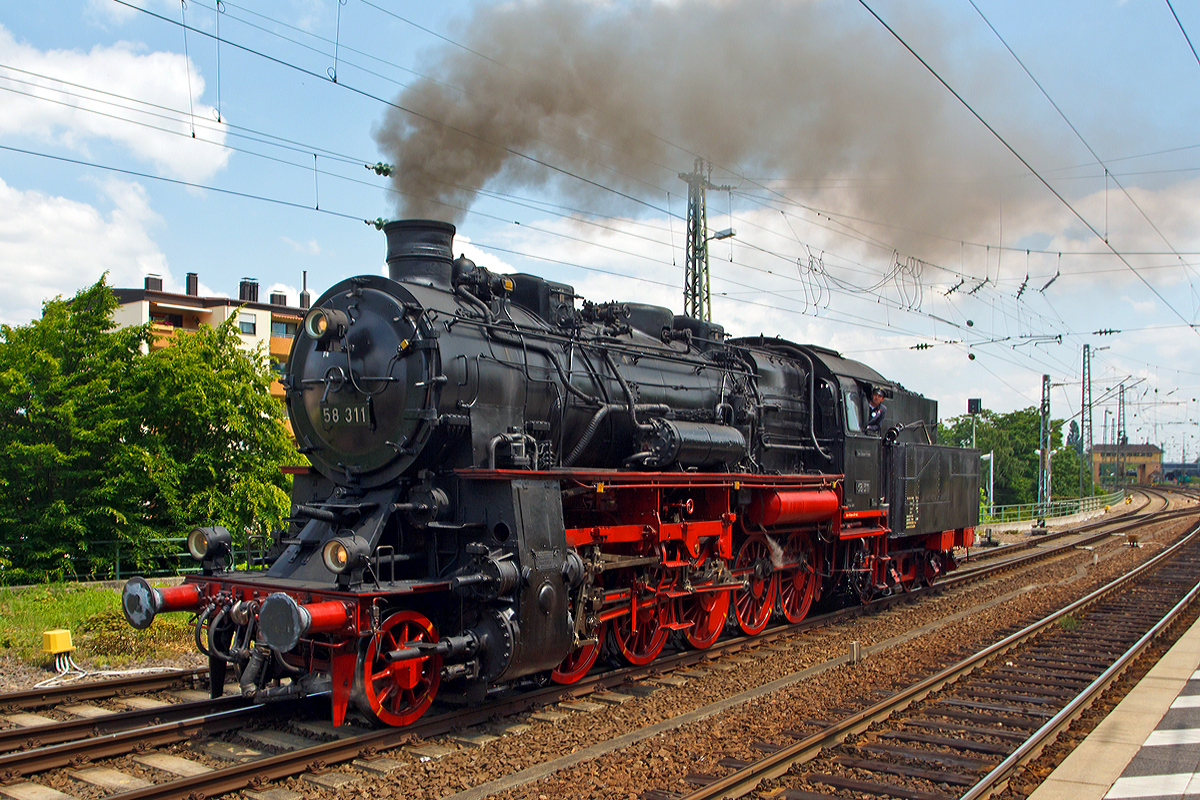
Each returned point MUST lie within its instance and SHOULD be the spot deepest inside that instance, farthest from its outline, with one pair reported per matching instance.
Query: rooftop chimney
(153, 283)
(193, 284)
(305, 297)
(420, 251)
(248, 290)
(278, 299)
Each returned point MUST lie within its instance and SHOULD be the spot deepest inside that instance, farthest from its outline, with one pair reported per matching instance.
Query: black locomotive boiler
(507, 480)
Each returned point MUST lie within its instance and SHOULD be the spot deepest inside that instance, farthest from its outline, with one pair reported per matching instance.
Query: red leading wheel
(579, 661)
(798, 583)
(399, 692)
(641, 646)
(752, 606)
(706, 611)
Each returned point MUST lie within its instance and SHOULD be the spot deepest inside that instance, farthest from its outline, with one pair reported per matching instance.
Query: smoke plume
(812, 99)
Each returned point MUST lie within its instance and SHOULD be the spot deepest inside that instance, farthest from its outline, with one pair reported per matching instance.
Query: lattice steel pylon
(1044, 449)
(697, 296)
(1085, 418)
(1121, 438)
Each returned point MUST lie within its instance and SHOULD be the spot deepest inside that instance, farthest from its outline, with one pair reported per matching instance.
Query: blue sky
(869, 201)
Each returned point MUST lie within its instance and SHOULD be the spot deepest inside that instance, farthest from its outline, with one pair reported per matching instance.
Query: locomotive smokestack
(420, 251)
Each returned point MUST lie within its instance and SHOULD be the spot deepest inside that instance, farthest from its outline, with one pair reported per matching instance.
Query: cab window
(853, 421)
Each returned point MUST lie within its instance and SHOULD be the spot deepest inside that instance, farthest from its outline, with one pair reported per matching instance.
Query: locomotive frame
(506, 485)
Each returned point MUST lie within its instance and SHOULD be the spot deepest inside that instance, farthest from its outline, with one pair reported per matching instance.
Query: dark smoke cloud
(813, 95)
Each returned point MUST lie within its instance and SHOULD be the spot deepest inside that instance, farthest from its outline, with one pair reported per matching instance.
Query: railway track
(119, 737)
(84, 691)
(965, 731)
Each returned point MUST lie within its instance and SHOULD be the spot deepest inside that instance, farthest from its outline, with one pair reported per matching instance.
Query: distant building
(1142, 463)
(272, 324)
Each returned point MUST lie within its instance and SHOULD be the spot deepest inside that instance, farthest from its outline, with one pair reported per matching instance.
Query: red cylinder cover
(792, 506)
(328, 616)
(185, 597)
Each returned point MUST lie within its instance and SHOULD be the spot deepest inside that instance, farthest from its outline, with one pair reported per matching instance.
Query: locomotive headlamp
(344, 554)
(206, 543)
(324, 323)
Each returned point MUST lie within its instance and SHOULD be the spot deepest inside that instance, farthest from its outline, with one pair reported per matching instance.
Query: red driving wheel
(579, 661)
(752, 605)
(798, 583)
(706, 611)
(399, 692)
(639, 645)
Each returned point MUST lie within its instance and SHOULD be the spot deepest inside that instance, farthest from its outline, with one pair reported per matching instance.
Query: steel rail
(98, 690)
(967, 575)
(16, 764)
(256, 772)
(30, 738)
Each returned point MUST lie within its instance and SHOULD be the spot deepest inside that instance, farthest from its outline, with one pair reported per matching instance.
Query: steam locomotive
(508, 481)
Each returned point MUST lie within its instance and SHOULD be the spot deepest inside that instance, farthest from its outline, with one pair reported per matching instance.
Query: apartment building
(272, 324)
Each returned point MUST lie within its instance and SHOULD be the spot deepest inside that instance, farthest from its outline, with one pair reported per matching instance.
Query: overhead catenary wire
(364, 93)
(1107, 174)
(187, 64)
(1027, 165)
(1184, 32)
(293, 66)
(667, 215)
(351, 160)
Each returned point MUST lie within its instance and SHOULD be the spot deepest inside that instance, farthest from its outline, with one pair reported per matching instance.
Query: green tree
(1064, 475)
(105, 448)
(1013, 438)
(210, 418)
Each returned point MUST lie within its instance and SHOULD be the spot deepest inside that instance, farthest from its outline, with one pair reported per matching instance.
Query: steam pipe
(588, 433)
(498, 333)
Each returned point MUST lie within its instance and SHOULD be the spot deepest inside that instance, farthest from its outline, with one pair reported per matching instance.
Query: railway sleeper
(979, 730)
(889, 768)
(970, 716)
(946, 741)
(872, 787)
(1023, 688)
(931, 756)
(1000, 709)
(1051, 678)
(1012, 697)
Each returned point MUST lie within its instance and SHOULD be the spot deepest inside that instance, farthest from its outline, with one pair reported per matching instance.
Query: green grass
(93, 616)
(1067, 622)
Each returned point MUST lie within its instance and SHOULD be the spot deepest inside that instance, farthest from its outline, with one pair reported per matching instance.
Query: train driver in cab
(876, 411)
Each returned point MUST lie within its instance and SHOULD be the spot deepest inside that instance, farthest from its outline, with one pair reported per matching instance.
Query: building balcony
(281, 346)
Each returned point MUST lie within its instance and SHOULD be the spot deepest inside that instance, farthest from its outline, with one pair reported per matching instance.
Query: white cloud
(1140, 307)
(106, 12)
(54, 246)
(310, 248)
(42, 105)
(292, 292)
(482, 258)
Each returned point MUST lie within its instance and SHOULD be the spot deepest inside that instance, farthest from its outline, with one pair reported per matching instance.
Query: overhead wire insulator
(921, 346)
(378, 222)
(380, 168)
(1105, 332)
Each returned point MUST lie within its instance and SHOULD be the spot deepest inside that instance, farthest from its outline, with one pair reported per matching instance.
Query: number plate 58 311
(358, 414)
